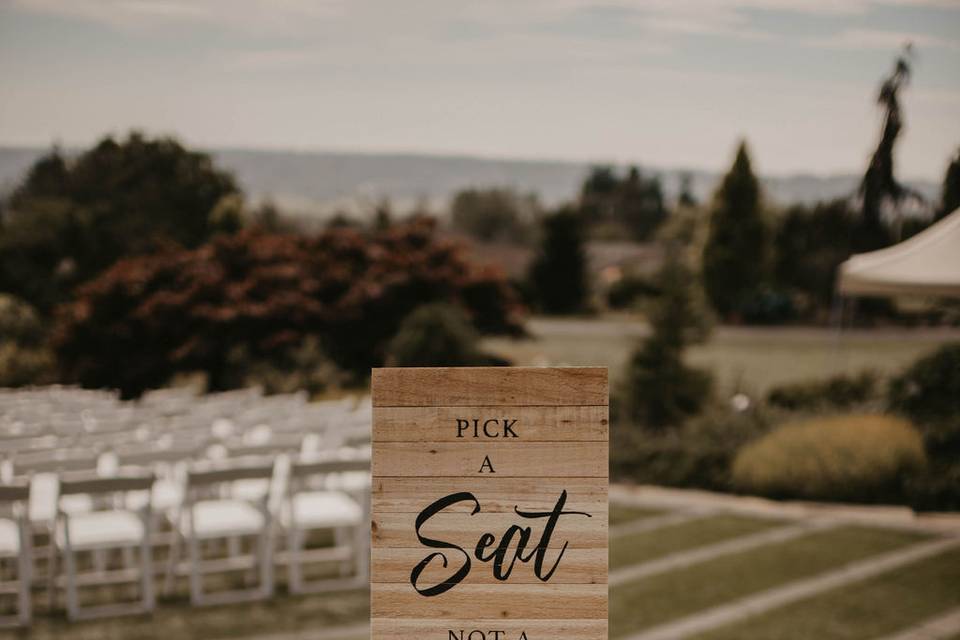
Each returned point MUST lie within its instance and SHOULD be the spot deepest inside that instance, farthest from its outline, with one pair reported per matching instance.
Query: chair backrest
(147, 455)
(277, 444)
(306, 467)
(312, 472)
(93, 485)
(57, 460)
(104, 492)
(216, 479)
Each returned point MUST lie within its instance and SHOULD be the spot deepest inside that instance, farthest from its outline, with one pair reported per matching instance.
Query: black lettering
(486, 465)
(552, 518)
(422, 518)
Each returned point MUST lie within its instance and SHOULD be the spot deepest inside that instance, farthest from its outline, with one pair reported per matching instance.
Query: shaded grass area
(180, 621)
(665, 597)
(877, 607)
(622, 513)
(641, 547)
(752, 359)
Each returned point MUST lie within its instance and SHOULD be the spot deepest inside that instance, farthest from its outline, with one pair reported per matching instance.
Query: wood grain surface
(470, 469)
(500, 386)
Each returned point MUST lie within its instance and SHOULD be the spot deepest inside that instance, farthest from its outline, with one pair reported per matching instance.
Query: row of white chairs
(231, 501)
(49, 418)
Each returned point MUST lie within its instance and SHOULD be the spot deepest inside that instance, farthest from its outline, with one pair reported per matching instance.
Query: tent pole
(838, 317)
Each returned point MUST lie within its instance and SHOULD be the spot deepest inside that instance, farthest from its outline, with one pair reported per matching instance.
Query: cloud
(244, 15)
(878, 39)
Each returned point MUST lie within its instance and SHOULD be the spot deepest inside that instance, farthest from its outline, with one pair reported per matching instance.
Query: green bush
(436, 335)
(697, 454)
(935, 488)
(838, 392)
(628, 290)
(21, 366)
(929, 391)
(302, 367)
(853, 457)
(19, 321)
(24, 356)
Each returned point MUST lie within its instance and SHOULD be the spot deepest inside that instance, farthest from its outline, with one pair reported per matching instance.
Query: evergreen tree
(879, 184)
(735, 257)
(631, 205)
(659, 390)
(72, 218)
(686, 197)
(950, 192)
(558, 275)
(641, 208)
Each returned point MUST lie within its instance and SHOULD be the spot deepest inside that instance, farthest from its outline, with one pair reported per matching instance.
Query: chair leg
(52, 569)
(99, 560)
(266, 561)
(25, 574)
(196, 578)
(173, 559)
(343, 537)
(294, 570)
(73, 601)
(361, 552)
(146, 568)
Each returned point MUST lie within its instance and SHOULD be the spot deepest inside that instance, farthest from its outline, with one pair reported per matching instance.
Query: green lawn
(664, 597)
(874, 608)
(180, 621)
(641, 547)
(621, 513)
(752, 359)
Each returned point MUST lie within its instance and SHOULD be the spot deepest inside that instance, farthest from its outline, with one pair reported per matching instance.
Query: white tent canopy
(926, 264)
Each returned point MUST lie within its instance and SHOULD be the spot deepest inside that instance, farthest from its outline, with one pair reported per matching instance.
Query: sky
(666, 83)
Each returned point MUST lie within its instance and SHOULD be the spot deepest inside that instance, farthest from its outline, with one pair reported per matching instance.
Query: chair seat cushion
(224, 518)
(323, 509)
(351, 481)
(102, 529)
(9, 538)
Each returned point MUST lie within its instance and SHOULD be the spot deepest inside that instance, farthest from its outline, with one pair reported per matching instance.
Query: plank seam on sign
(460, 386)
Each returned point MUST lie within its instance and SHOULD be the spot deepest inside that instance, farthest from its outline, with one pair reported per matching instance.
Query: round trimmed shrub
(435, 335)
(852, 457)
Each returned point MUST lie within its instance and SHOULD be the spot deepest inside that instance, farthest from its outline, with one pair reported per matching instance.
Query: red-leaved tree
(149, 317)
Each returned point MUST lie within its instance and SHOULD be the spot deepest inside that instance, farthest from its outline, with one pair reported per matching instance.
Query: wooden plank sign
(489, 504)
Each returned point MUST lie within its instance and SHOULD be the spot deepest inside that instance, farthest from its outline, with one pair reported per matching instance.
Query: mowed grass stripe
(877, 607)
(643, 547)
(619, 513)
(740, 544)
(658, 599)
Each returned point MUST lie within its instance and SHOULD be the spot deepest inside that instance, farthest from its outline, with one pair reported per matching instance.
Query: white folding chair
(311, 505)
(108, 526)
(15, 546)
(209, 513)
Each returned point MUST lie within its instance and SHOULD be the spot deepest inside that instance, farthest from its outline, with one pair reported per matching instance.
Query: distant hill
(318, 183)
